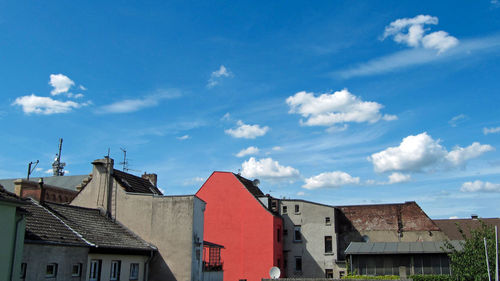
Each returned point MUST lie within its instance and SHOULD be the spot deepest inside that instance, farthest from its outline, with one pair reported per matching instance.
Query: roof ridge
(65, 224)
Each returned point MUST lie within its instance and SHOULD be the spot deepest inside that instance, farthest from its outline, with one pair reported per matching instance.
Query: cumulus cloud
(185, 137)
(329, 109)
(398, 178)
(45, 105)
(411, 31)
(248, 151)
(132, 105)
(491, 130)
(330, 180)
(267, 168)
(247, 131)
(420, 152)
(218, 75)
(480, 186)
(61, 84)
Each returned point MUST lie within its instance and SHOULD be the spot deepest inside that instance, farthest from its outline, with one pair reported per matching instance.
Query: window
(328, 273)
(327, 221)
(298, 264)
(328, 244)
(285, 232)
(115, 270)
(285, 209)
(134, 271)
(23, 271)
(51, 270)
(95, 270)
(76, 270)
(297, 236)
(278, 234)
(297, 209)
(341, 274)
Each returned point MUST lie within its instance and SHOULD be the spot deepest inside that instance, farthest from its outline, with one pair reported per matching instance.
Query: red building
(240, 217)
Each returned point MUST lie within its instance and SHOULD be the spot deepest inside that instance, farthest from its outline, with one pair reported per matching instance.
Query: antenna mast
(125, 161)
(58, 166)
(31, 170)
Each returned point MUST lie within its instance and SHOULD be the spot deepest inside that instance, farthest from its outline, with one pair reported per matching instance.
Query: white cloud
(301, 193)
(420, 152)
(329, 109)
(277, 148)
(45, 105)
(61, 83)
(81, 87)
(247, 131)
(480, 186)
(457, 120)
(218, 75)
(49, 171)
(226, 116)
(248, 151)
(185, 137)
(398, 178)
(453, 217)
(132, 105)
(76, 96)
(267, 168)
(491, 130)
(330, 180)
(415, 33)
(193, 181)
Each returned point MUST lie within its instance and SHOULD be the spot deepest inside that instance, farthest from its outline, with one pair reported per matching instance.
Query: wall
(125, 260)
(235, 219)
(24, 189)
(37, 256)
(311, 218)
(11, 240)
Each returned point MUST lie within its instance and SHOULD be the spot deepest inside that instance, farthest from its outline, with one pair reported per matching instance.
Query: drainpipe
(14, 252)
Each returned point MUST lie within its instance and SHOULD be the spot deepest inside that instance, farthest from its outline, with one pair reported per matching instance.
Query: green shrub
(432, 278)
(367, 277)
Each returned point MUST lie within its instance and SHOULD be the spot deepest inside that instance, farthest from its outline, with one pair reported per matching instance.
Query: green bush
(367, 277)
(432, 278)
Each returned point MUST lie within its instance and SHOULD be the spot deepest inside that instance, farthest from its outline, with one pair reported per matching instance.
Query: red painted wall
(236, 219)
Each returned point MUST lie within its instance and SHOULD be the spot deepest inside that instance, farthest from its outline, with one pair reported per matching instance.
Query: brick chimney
(153, 178)
(102, 172)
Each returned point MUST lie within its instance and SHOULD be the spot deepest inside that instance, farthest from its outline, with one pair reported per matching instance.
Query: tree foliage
(469, 263)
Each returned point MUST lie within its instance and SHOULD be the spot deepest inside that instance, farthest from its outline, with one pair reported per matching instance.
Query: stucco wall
(125, 262)
(311, 219)
(37, 256)
(11, 242)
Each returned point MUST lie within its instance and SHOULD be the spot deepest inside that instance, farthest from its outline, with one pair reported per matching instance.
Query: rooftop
(67, 182)
(135, 184)
(450, 227)
(371, 248)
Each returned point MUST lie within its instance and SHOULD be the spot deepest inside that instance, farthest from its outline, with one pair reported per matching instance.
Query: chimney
(42, 190)
(103, 173)
(153, 178)
(474, 216)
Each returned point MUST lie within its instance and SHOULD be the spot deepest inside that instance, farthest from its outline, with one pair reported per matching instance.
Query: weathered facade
(174, 224)
(310, 239)
(240, 217)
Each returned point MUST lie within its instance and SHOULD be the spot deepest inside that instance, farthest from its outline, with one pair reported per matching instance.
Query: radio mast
(58, 166)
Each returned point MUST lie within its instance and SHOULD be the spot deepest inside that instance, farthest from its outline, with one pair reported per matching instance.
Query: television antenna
(31, 170)
(275, 272)
(125, 161)
(58, 166)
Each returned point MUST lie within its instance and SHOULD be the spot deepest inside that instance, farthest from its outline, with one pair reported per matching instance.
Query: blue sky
(341, 102)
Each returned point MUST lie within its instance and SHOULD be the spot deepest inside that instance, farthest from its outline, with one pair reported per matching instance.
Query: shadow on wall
(310, 267)
(159, 270)
(346, 233)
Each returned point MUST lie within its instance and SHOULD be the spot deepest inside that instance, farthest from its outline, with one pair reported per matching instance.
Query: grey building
(309, 239)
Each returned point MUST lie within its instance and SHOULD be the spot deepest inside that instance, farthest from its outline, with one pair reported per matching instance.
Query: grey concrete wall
(311, 218)
(38, 256)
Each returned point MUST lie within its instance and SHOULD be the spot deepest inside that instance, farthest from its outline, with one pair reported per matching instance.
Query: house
(174, 224)
(12, 221)
(247, 222)
(65, 242)
(309, 239)
(451, 226)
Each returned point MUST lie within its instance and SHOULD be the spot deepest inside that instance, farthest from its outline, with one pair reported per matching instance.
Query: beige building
(174, 224)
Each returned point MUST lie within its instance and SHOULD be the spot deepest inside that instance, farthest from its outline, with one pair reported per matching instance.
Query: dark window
(134, 271)
(297, 236)
(417, 263)
(445, 265)
(95, 270)
(328, 244)
(51, 270)
(23, 271)
(329, 273)
(298, 263)
(76, 270)
(285, 210)
(341, 274)
(273, 205)
(297, 209)
(285, 232)
(115, 270)
(327, 221)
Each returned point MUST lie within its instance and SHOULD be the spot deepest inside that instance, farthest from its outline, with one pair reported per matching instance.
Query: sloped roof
(10, 197)
(66, 182)
(383, 248)
(132, 183)
(254, 190)
(450, 226)
(52, 223)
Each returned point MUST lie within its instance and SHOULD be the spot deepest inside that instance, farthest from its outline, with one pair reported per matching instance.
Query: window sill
(328, 254)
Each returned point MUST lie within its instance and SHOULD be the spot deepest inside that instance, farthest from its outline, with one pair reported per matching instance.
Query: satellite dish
(275, 272)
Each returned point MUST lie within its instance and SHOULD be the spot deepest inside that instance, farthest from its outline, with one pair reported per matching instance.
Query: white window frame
(95, 270)
(134, 274)
(54, 270)
(115, 270)
(79, 273)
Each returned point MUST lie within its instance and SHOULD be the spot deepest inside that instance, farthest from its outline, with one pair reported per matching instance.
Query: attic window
(297, 209)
